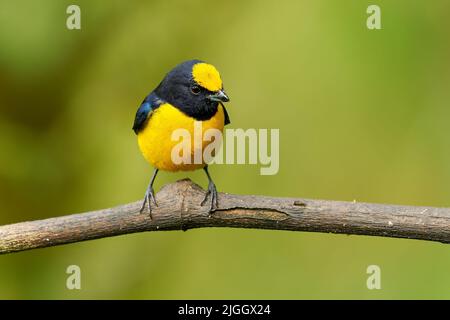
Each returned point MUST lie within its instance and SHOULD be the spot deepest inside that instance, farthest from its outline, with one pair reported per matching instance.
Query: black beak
(219, 96)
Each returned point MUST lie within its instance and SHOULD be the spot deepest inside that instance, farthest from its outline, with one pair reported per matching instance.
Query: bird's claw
(148, 199)
(214, 203)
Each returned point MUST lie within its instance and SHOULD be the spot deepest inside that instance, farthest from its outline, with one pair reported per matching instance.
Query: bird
(192, 91)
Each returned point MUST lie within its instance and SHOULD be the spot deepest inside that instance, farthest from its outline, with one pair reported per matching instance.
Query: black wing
(150, 103)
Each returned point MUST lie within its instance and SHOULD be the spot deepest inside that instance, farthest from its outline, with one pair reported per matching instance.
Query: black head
(194, 87)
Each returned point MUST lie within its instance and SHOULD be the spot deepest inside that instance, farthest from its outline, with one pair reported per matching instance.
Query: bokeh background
(362, 115)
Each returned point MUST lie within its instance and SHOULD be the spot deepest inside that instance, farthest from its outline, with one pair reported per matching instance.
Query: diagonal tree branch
(179, 209)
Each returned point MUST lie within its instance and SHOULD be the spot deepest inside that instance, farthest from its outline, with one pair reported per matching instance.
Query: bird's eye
(195, 90)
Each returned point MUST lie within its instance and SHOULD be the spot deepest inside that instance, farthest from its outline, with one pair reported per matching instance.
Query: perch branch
(179, 209)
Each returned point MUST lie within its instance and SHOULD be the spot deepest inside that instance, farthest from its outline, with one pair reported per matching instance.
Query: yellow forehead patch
(207, 76)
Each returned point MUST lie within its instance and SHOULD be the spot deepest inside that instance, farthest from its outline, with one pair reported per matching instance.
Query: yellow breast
(155, 140)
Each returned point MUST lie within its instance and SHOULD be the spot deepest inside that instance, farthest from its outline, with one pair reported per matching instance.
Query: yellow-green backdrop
(363, 114)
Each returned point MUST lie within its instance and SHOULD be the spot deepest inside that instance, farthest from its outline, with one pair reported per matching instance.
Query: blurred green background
(362, 115)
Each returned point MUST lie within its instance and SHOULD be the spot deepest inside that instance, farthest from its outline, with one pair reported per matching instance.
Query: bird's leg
(149, 195)
(214, 203)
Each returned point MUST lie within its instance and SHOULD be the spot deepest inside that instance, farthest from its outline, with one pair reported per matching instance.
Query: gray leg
(214, 203)
(149, 195)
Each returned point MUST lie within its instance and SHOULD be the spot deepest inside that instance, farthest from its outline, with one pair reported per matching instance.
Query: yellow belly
(155, 139)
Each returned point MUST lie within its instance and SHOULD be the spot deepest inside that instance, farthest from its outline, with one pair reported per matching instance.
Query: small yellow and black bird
(190, 92)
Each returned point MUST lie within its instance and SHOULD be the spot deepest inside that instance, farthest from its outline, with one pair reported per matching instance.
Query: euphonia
(192, 91)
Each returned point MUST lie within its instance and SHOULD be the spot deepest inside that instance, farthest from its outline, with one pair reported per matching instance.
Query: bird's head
(195, 87)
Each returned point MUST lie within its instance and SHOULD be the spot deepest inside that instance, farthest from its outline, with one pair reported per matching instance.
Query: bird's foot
(148, 199)
(214, 202)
